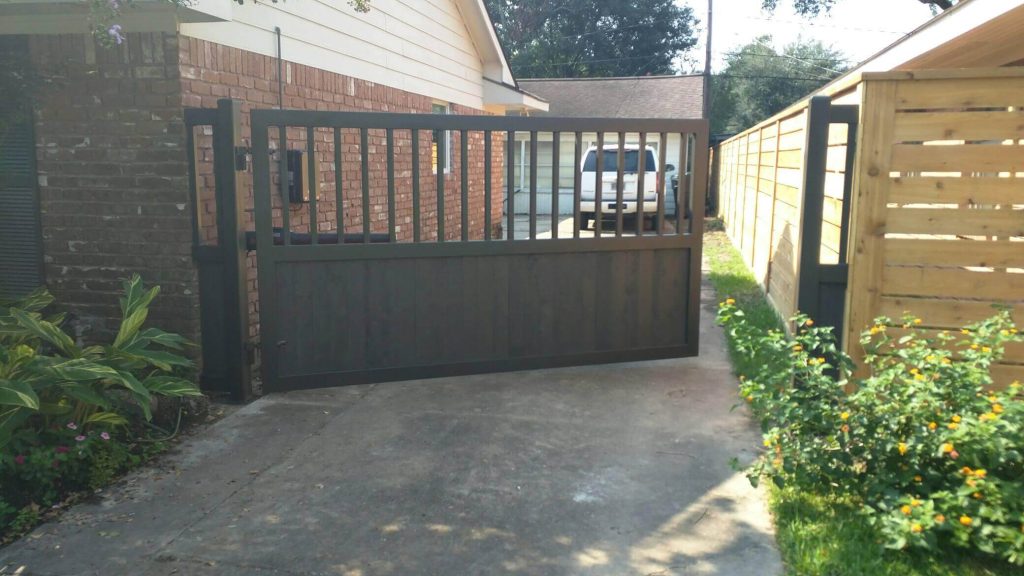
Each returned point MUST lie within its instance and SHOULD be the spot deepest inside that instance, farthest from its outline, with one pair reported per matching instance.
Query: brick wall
(112, 175)
(211, 71)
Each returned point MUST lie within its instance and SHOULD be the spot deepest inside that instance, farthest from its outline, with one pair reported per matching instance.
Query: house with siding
(95, 181)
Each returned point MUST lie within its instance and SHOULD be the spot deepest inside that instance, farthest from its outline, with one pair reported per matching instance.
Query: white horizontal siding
(420, 46)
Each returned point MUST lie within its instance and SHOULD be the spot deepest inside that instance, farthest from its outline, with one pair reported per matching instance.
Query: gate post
(813, 204)
(231, 239)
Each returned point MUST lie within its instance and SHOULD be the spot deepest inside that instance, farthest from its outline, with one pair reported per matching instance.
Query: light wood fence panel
(939, 215)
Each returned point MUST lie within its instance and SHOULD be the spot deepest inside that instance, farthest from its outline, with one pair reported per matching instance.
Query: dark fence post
(811, 209)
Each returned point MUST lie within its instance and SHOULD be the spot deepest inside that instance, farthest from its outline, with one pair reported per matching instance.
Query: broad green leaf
(140, 392)
(171, 386)
(17, 393)
(34, 301)
(46, 331)
(108, 418)
(162, 360)
(10, 419)
(82, 370)
(130, 326)
(167, 339)
(132, 291)
(85, 393)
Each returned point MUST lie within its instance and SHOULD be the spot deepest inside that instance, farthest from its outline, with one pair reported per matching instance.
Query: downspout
(280, 70)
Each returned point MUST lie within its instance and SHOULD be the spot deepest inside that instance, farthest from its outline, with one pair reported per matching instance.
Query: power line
(817, 25)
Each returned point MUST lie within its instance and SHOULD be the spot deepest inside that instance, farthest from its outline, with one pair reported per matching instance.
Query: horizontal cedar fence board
(1013, 353)
(837, 134)
(791, 159)
(992, 253)
(793, 141)
(836, 159)
(794, 124)
(925, 126)
(1005, 374)
(968, 158)
(790, 177)
(941, 313)
(952, 283)
(835, 185)
(980, 222)
(979, 93)
(962, 191)
(832, 211)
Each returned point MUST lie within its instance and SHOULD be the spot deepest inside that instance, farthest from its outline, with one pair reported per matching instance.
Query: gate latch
(242, 158)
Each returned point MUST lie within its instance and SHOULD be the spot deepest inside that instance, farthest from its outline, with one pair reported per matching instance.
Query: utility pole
(707, 65)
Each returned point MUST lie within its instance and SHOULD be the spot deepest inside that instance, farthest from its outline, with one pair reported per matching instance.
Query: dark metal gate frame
(223, 289)
(278, 247)
(822, 290)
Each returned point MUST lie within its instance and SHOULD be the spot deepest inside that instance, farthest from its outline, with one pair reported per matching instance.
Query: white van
(609, 178)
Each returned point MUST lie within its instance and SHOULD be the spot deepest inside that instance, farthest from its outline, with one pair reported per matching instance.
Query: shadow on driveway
(605, 470)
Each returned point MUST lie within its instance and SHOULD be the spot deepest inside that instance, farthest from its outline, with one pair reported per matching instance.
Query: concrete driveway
(604, 470)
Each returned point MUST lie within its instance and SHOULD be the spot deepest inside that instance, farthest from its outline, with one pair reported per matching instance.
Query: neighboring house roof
(629, 97)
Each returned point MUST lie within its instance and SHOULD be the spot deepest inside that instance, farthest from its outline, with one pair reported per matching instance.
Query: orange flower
(939, 518)
(845, 428)
(932, 425)
(971, 482)
(730, 301)
(977, 496)
(997, 408)
(966, 470)
(809, 322)
(918, 478)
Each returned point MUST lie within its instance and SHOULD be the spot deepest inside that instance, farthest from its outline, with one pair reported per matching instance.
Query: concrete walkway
(605, 470)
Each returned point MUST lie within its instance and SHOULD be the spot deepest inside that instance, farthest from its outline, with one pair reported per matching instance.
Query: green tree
(759, 81)
(815, 7)
(592, 38)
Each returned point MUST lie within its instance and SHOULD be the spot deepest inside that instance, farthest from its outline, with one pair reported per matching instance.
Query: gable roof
(627, 97)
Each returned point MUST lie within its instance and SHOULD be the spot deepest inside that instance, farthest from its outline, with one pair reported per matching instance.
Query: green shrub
(68, 413)
(930, 451)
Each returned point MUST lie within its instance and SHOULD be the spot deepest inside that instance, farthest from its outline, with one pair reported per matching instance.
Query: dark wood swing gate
(341, 312)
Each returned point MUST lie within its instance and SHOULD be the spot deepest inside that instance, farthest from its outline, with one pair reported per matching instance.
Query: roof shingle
(632, 97)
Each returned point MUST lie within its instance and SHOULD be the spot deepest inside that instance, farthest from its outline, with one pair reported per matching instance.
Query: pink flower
(19, 459)
(62, 449)
(72, 426)
(80, 438)
(104, 435)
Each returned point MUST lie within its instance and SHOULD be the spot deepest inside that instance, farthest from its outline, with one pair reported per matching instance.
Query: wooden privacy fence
(936, 210)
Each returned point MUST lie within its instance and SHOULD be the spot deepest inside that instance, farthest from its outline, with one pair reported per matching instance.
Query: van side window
(611, 161)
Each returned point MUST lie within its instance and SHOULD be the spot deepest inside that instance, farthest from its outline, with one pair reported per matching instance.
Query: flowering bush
(933, 453)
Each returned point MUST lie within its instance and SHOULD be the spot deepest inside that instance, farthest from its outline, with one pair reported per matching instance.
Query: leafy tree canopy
(759, 81)
(815, 7)
(592, 38)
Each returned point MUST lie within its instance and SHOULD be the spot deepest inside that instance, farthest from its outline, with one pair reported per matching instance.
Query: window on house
(446, 143)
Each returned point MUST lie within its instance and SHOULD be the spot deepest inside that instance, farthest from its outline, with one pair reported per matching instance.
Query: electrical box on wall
(298, 168)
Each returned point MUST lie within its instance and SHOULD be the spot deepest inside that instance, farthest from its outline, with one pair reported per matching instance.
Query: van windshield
(611, 161)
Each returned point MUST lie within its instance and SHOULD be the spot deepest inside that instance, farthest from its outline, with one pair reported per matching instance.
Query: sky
(857, 28)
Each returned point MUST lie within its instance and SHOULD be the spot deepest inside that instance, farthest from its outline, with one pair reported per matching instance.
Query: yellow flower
(939, 518)
(981, 473)
(965, 331)
(986, 349)
(971, 482)
(730, 301)
(932, 425)
(917, 320)
(844, 416)
(902, 447)
(915, 502)
(905, 509)
(977, 496)
(875, 330)
(919, 377)
(966, 470)
(750, 398)
(966, 520)
(931, 358)
(987, 416)
(974, 346)
(947, 361)
(992, 398)
(1004, 332)
(916, 528)
(767, 442)
(797, 348)
(918, 478)
(952, 425)
(956, 418)
(915, 371)
(809, 322)
(997, 408)
(947, 447)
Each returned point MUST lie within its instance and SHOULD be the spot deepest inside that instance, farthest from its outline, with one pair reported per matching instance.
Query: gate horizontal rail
(421, 281)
